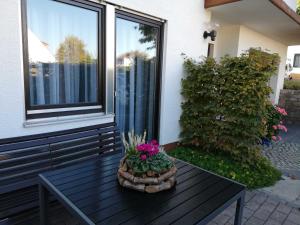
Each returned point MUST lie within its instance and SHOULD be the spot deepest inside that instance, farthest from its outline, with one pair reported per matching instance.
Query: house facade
(73, 63)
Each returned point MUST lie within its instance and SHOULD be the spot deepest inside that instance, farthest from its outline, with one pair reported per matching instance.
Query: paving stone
(284, 155)
(252, 205)
(221, 219)
(284, 208)
(272, 201)
(262, 214)
(254, 221)
(268, 206)
(294, 218)
(278, 216)
(212, 223)
(289, 223)
(249, 195)
(259, 199)
(247, 213)
(296, 211)
(273, 222)
(269, 212)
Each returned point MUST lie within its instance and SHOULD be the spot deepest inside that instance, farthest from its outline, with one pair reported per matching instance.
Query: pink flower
(274, 127)
(282, 127)
(150, 149)
(279, 138)
(154, 142)
(281, 111)
(143, 157)
(274, 138)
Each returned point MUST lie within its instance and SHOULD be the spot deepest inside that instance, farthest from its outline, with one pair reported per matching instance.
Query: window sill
(66, 119)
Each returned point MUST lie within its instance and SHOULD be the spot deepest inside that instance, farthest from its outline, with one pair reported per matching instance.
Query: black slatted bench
(23, 158)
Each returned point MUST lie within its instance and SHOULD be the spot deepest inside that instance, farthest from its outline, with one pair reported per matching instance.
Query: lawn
(262, 175)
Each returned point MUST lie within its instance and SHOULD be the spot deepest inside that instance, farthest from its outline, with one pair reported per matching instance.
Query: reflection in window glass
(136, 76)
(62, 51)
(297, 60)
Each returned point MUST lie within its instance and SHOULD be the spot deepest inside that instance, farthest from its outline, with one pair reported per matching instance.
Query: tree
(149, 35)
(298, 7)
(72, 50)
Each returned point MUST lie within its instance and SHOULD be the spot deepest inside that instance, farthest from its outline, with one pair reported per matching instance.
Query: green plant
(292, 84)
(158, 163)
(133, 141)
(298, 7)
(225, 103)
(261, 174)
(142, 157)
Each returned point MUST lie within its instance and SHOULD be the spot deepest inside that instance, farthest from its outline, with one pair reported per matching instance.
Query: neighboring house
(293, 62)
(272, 25)
(89, 62)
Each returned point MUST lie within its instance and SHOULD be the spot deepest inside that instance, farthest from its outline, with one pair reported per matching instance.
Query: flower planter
(150, 182)
(146, 167)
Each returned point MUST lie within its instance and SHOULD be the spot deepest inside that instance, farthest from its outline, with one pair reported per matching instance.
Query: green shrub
(262, 174)
(292, 84)
(225, 103)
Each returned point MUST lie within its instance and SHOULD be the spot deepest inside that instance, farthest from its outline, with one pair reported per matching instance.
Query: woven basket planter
(150, 182)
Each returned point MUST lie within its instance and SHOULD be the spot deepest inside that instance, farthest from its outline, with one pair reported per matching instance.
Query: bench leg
(239, 210)
(44, 196)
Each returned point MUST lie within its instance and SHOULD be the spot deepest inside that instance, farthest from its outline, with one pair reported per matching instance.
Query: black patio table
(91, 193)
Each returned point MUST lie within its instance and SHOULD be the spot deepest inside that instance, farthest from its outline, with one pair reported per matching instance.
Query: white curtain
(54, 83)
(135, 102)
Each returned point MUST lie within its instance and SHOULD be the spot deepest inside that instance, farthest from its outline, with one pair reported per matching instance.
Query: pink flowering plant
(142, 156)
(274, 123)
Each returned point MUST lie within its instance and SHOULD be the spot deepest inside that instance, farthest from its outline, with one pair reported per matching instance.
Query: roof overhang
(272, 18)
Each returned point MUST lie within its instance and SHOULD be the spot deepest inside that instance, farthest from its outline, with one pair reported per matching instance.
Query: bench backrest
(23, 158)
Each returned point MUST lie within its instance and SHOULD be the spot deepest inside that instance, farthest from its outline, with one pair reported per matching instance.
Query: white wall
(183, 34)
(292, 4)
(227, 41)
(235, 39)
(249, 38)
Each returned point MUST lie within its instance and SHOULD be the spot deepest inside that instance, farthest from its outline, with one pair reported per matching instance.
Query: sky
(128, 36)
(53, 21)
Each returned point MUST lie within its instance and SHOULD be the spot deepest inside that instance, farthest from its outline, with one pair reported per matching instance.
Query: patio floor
(285, 155)
(260, 209)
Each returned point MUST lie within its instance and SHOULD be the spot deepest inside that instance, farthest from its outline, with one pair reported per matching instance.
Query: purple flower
(148, 149)
(143, 157)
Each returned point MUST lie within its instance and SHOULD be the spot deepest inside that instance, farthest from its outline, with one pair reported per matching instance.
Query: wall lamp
(212, 35)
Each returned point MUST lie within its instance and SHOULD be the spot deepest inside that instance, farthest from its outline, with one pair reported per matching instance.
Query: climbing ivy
(225, 103)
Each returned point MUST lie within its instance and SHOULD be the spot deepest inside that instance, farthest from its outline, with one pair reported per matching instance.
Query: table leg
(43, 195)
(239, 210)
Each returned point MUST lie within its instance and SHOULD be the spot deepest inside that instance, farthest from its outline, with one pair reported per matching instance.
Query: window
(297, 61)
(63, 63)
(210, 51)
(138, 44)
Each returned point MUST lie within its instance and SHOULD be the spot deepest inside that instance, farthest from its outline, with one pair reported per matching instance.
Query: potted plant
(145, 166)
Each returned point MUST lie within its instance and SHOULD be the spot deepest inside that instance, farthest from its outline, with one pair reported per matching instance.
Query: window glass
(63, 53)
(136, 77)
(297, 60)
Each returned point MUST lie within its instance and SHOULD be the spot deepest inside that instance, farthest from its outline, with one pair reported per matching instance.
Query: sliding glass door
(137, 75)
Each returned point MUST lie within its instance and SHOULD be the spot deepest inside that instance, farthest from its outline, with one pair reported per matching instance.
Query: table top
(91, 191)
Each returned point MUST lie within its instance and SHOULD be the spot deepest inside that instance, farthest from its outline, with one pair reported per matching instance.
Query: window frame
(77, 108)
(160, 26)
(296, 55)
